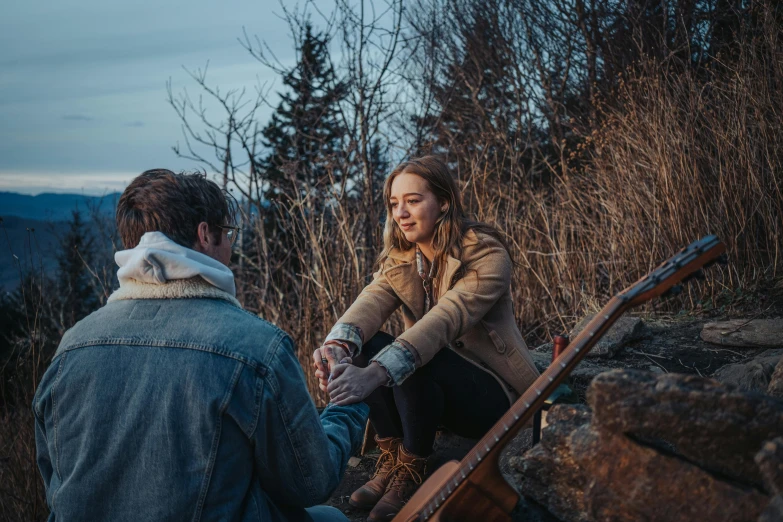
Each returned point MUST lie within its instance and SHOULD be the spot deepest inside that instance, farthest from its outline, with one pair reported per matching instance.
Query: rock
(774, 511)
(712, 425)
(770, 462)
(547, 473)
(622, 332)
(583, 474)
(541, 359)
(765, 333)
(584, 371)
(354, 461)
(587, 371)
(753, 375)
(775, 387)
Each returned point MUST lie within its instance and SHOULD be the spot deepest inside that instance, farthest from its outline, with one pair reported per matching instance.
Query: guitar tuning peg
(672, 292)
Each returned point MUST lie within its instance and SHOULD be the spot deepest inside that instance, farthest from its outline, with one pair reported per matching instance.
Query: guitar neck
(488, 448)
(685, 264)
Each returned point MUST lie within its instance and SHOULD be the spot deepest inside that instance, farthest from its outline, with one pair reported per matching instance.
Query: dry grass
(21, 489)
(675, 160)
(674, 156)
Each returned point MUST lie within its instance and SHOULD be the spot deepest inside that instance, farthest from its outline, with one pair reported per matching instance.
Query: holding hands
(344, 382)
(325, 359)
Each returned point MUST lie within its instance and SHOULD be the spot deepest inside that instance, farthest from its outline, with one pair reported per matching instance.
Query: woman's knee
(375, 344)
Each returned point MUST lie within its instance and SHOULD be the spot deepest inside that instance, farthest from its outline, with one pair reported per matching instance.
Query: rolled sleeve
(346, 332)
(398, 361)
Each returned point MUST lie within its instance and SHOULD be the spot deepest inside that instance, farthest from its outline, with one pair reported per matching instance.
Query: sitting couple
(172, 403)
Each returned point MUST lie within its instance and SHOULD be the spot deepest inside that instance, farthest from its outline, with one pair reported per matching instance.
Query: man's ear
(203, 241)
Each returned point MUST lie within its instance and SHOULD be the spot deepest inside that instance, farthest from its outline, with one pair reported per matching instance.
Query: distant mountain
(32, 226)
(25, 245)
(55, 207)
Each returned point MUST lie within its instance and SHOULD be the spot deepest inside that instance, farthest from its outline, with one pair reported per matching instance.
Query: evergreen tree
(303, 142)
(76, 284)
(304, 134)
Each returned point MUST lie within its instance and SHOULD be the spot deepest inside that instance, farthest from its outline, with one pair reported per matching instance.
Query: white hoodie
(157, 260)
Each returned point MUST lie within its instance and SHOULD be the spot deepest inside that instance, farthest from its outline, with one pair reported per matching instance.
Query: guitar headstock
(684, 265)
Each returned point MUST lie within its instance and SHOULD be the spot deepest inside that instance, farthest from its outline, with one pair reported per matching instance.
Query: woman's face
(415, 208)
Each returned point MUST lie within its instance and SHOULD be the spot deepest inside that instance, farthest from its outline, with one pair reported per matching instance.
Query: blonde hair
(451, 226)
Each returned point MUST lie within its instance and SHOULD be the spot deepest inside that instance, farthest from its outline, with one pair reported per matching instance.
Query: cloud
(77, 117)
(136, 123)
(91, 183)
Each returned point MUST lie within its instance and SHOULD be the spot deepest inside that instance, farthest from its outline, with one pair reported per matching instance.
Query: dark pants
(446, 391)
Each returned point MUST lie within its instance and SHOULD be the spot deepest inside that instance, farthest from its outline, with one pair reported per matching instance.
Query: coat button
(459, 344)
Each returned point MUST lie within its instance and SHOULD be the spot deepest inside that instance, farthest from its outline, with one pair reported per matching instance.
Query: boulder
(547, 473)
(710, 424)
(775, 387)
(541, 359)
(752, 375)
(755, 333)
(582, 473)
(625, 330)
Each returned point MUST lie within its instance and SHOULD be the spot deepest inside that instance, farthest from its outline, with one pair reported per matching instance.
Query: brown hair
(450, 228)
(160, 200)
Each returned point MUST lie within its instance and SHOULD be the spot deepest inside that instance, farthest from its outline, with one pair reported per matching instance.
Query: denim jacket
(184, 409)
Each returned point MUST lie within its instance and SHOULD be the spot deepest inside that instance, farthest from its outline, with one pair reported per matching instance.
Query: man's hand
(334, 354)
(352, 384)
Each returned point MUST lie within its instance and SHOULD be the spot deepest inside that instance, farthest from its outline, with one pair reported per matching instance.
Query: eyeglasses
(232, 233)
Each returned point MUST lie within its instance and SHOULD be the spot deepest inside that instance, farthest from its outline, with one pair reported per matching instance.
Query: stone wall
(659, 447)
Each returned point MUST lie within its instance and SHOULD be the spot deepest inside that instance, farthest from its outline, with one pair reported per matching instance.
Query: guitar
(473, 489)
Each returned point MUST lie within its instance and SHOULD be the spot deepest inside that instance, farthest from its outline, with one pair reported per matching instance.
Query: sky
(83, 101)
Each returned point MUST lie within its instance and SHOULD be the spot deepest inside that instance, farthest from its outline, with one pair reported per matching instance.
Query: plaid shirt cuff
(398, 361)
(346, 332)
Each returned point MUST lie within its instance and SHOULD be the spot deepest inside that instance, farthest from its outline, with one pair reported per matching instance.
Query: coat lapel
(405, 281)
(452, 265)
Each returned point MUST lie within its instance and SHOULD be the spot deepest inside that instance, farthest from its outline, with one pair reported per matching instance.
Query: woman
(461, 360)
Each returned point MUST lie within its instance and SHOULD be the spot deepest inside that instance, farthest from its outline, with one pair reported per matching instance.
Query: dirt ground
(447, 447)
(667, 344)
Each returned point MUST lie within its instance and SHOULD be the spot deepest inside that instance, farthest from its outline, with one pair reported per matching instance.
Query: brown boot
(368, 495)
(408, 474)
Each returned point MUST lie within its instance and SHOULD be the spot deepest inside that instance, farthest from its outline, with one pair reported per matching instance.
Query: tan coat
(473, 316)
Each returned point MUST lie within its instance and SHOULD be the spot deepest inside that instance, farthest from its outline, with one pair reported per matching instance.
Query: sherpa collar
(159, 268)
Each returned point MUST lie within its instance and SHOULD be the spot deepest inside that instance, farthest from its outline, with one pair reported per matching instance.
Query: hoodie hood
(159, 260)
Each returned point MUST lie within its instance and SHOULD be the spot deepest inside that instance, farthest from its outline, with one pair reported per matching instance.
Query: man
(173, 403)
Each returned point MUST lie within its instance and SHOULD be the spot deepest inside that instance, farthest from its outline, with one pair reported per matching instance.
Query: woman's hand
(352, 384)
(334, 354)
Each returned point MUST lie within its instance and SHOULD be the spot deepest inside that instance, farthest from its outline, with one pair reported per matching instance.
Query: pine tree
(304, 134)
(303, 145)
(76, 284)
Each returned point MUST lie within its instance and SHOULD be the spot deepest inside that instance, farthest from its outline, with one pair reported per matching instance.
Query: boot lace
(385, 463)
(407, 473)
